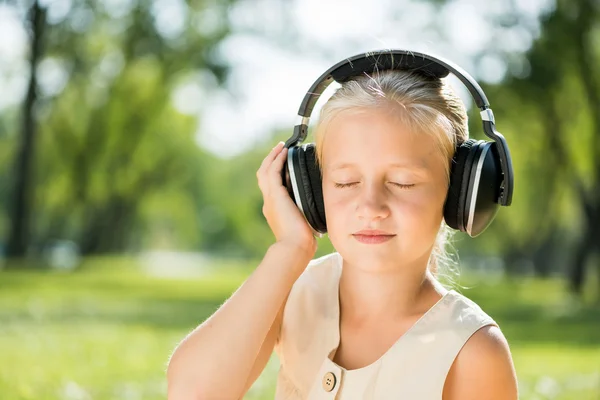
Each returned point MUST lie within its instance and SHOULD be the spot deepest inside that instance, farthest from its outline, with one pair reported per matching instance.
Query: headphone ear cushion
(307, 178)
(459, 178)
(316, 182)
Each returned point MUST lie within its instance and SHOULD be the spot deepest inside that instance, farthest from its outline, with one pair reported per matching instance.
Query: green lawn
(106, 331)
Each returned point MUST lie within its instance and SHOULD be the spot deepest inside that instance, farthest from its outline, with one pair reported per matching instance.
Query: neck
(395, 294)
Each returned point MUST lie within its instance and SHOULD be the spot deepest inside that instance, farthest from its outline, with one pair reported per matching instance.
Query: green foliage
(111, 144)
(133, 147)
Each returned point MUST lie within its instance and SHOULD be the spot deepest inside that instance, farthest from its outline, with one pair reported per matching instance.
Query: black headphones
(481, 176)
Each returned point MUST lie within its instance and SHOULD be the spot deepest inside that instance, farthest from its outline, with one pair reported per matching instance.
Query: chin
(377, 257)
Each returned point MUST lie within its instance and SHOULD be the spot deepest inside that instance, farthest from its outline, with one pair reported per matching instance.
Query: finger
(274, 170)
(271, 156)
(266, 163)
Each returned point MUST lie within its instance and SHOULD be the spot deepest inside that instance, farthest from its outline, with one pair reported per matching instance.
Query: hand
(282, 214)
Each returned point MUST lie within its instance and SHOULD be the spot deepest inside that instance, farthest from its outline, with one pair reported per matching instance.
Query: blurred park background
(131, 132)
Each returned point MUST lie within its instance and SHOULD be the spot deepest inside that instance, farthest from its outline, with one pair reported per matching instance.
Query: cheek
(333, 204)
(338, 210)
(426, 207)
(428, 199)
(419, 214)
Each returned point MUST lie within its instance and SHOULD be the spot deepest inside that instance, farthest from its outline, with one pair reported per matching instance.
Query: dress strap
(421, 361)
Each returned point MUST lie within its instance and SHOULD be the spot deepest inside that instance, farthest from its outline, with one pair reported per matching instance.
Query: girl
(369, 321)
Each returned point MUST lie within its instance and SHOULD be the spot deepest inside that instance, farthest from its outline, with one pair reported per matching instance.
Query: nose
(372, 203)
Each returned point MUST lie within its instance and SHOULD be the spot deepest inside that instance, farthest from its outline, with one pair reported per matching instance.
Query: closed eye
(400, 185)
(343, 185)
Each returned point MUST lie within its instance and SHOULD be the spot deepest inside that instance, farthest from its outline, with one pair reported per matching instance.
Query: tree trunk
(21, 197)
(106, 229)
(585, 250)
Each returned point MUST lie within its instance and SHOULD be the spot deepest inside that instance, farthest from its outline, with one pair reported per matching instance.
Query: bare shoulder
(483, 369)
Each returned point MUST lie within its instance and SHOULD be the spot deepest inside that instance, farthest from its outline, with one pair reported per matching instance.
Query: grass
(106, 331)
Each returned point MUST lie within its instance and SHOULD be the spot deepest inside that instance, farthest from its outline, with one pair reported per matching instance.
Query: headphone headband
(397, 59)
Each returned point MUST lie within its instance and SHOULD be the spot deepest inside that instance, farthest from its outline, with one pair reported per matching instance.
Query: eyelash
(343, 185)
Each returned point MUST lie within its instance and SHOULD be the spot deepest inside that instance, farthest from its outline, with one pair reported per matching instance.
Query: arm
(265, 352)
(483, 369)
(217, 358)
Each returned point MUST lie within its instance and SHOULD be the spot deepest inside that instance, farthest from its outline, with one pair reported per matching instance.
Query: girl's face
(394, 181)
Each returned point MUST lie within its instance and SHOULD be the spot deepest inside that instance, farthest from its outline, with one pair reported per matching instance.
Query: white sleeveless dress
(415, 367)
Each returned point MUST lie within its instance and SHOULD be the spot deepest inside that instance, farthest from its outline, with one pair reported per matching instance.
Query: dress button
(329, 381)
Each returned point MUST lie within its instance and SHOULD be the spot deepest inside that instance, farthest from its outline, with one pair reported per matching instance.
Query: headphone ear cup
(295, 182)
(310, 184)
(481, 202)
(459, 177)
(315, 177)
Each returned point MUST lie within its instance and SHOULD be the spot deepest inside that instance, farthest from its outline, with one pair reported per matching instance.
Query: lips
(373, 239)
(372, 232)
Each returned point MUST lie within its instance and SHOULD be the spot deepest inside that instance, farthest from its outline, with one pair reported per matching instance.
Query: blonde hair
(425, 105)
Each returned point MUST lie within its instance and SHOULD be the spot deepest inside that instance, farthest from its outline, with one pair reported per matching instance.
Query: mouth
(373, 232)
(372, 239)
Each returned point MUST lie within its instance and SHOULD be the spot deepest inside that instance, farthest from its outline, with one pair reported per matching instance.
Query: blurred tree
(565, 90)
(110, 135)
(20, 201)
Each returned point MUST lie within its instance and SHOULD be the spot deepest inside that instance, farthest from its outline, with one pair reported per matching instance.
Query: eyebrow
(392, 165)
